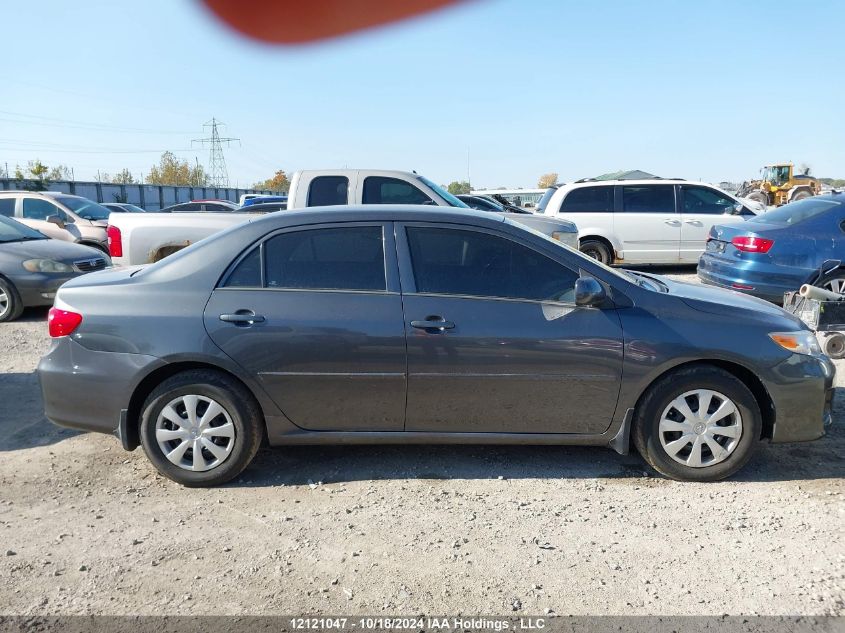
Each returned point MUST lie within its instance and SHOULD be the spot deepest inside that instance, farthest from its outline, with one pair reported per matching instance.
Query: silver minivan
(59, 215)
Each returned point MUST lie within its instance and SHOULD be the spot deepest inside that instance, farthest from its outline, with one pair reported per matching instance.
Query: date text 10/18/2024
(417, 623)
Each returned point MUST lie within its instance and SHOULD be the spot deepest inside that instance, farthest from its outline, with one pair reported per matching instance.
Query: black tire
(596, 249)
(647, 418)
(237, 402)
(800, 195)
(759, 196)
(12, 307)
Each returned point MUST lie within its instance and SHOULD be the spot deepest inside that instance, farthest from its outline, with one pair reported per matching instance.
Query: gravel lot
(86, 528)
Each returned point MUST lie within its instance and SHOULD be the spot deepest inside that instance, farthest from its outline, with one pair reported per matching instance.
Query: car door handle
(433, 324)
(242, 317)
(672, 222)
(694, 222)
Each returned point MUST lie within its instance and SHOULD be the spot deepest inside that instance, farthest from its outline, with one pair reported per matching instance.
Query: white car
(653, 221)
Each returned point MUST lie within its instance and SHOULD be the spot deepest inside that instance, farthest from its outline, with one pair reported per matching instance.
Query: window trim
(406, 269)
(389, 259)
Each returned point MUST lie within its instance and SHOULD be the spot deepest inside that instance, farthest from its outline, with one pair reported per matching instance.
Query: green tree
(172, 171)
(547, 180)
(456, 188)
(279, 182)
(59, 172)
(123, 177)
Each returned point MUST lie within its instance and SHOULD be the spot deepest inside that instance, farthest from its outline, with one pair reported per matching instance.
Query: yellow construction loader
(779, 184)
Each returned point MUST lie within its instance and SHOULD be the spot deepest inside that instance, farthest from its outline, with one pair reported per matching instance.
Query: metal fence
(148, 197)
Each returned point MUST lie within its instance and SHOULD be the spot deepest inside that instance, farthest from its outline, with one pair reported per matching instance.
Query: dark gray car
(418, 324)
(33, 266)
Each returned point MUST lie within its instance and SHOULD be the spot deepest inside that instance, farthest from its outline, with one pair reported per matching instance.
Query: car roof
(384, 213)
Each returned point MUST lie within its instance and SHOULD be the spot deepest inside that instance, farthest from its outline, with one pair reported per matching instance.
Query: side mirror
(589, 292)
(54, 219)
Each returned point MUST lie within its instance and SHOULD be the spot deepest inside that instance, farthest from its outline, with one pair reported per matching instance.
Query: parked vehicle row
(141, 239)
(411, 324)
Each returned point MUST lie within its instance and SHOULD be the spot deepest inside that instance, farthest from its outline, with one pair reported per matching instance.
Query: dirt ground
(86, 528)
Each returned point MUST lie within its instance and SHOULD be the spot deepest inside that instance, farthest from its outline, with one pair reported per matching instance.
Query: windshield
(84, 208)
(440, 191)
(796, 212)
(776, 174)
(541, 204)
(12, 231)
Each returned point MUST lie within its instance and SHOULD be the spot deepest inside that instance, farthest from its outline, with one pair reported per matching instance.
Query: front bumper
(38, 289)
(87, 390)
(802, 394)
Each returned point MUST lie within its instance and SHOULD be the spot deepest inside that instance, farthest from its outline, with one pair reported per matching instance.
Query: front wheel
(201, 428)
(11, 305)
(697, 424)
(597, 250)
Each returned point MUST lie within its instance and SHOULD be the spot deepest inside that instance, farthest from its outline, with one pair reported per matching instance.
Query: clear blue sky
(709, 90)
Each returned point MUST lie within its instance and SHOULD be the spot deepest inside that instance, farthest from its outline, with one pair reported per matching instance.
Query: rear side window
(349, 258)
(648, 199)
(39, 209)
(379, 190)
(471, 263)
(327, 191)
(588, 199)
(247, 274)
(7, 207)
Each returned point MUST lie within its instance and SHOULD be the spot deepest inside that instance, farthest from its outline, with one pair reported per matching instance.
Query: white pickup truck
(142, 238)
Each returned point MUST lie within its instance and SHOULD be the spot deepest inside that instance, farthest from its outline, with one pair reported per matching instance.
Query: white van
(653, 221)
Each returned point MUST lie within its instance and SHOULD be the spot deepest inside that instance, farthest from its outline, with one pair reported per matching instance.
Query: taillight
(62, 322)
(115, 241)
(750, 244)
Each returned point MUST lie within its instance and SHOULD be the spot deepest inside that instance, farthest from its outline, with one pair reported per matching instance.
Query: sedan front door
(495, 342)
(316, 315)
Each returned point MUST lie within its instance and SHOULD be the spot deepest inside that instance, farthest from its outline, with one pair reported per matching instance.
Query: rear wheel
(800, 195)
(201, 428)
(596, 249)
(697, 424)
(11, 305)
(759, 196)
(835, 281)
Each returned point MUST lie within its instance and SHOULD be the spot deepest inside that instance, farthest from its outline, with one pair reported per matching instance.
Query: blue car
(263, 199)
(777, 251)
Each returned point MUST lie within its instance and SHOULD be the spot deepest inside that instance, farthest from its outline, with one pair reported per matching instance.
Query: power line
(78, 125)
(218, 177)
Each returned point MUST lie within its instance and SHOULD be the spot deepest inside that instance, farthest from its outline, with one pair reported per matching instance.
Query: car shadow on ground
(22, 421)
(302, 465)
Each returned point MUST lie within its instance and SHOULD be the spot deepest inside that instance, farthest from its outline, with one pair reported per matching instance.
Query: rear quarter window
(327, 191)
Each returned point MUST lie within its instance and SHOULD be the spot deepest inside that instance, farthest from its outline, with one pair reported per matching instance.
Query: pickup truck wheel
(597, 250)
(697, 424)
(201, 428)
(11, 305)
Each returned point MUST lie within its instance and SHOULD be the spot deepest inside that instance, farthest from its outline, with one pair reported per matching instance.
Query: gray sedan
(382, 324)
(33, 266)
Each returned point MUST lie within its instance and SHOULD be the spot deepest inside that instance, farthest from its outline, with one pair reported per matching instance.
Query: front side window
(328, 191)
(648, 199)
(39, 209)
(381, 190)
(704, 200)
(7, 207)
(348, 258)
(588, 199)
(471, 263)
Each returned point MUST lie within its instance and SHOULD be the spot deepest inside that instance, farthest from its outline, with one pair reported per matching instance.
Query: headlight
(803, 342)
(46, 266)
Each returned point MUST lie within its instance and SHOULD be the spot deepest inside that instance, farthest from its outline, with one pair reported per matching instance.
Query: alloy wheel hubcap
(700, 428)
(4, 302)
(835, 285)
(195, 433)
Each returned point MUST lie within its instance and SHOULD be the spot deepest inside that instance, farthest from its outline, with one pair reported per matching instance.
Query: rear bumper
(766, 281)
(88, 390)
(802, 392)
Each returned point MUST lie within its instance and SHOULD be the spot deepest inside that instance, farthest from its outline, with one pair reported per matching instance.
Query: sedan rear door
(315, 314)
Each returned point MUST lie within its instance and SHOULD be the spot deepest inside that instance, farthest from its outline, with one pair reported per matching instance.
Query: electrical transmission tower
(218, 176)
